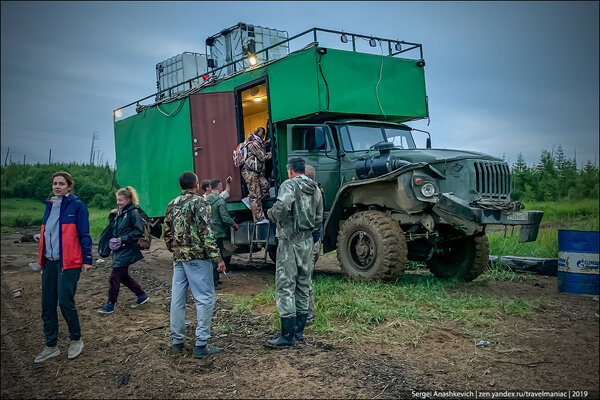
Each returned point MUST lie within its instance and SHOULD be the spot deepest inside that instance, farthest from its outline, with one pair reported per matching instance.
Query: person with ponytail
(128, 227)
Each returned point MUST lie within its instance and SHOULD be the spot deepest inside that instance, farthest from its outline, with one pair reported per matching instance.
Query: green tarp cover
(152, 150)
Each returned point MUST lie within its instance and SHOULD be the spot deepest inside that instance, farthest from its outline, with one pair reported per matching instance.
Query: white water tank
(229, 45)
(174, 71)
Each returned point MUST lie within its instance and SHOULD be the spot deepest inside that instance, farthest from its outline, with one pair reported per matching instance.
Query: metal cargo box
(232, 43)
(178, 69)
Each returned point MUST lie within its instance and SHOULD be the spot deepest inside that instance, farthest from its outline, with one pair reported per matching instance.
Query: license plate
(517, 216)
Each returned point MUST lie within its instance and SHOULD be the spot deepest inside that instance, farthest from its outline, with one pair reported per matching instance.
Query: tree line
(94, 185)
(555, 177)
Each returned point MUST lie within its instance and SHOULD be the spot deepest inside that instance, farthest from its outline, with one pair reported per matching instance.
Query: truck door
(214, 136)
(314, 144)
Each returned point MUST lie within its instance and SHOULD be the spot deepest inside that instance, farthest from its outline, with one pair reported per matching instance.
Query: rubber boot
(286, 337)
(300, 324)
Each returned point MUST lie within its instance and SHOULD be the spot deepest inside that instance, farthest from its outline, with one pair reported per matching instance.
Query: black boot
(286, 337)
(300, 324)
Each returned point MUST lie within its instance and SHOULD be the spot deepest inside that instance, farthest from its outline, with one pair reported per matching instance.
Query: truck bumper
(460, 214)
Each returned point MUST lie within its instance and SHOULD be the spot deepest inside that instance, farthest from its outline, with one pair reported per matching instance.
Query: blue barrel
(578, 261)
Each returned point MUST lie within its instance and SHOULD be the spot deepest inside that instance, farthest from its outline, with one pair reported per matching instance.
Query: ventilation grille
(492, 179)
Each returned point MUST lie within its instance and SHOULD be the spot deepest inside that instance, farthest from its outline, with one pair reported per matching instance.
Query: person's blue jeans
(198, 276)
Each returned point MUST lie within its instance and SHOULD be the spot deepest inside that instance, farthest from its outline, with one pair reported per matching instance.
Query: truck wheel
(464, 258)
(372, 246)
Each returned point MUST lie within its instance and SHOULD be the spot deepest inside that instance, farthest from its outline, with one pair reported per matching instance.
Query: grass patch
(567, 211)
(222, 328)
(19, 213)
(352, 308)
(545, 246)
(578, 215)
(499, 271)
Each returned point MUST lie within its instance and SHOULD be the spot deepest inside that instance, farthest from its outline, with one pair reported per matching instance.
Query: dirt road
(127, 353)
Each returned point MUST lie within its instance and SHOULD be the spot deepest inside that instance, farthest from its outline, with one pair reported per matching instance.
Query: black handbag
(107, 234)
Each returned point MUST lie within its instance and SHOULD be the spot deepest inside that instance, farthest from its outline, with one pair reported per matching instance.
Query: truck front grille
(492, 179)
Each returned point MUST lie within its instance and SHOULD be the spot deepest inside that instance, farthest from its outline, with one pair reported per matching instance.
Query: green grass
(567, 211)
(18, 213)
(354, 308)
(579, 215)
(545, 246)
(499, 271)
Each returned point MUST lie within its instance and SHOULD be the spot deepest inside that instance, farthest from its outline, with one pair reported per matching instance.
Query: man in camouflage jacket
(188, 236)
(297, 212)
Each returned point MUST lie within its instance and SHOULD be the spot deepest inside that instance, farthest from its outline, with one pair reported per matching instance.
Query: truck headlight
(428, 189)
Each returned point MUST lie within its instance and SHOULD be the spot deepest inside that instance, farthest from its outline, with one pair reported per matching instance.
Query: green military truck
(344, 112)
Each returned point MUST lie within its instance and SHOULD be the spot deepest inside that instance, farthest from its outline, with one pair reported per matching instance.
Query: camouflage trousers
(316, 250)
(258, 187)
(292, 277)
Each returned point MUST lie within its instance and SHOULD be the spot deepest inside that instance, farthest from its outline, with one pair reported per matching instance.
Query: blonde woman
(128, 228)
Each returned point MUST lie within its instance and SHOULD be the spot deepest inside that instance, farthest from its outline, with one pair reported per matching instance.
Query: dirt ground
(127, 353)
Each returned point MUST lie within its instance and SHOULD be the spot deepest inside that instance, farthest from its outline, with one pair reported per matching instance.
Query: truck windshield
(361, 137)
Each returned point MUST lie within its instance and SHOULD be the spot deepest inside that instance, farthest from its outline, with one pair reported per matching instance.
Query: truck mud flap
(528, 233)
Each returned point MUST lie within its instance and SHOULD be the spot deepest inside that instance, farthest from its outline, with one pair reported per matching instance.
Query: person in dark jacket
(221, 221)
(128, 227)
(65, 251)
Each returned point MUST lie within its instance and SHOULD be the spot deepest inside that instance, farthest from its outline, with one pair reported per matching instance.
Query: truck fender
(346, 197)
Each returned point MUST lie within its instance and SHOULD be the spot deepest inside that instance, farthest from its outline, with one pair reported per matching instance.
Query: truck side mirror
(428, 143)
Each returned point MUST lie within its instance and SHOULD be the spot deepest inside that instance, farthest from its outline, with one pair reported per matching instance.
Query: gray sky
(502, 77)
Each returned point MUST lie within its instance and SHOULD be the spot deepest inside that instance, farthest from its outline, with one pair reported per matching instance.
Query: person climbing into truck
(253, 172)
(221, 221)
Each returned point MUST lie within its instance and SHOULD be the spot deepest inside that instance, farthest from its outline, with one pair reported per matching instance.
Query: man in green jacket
(298, 211)
(221, 222)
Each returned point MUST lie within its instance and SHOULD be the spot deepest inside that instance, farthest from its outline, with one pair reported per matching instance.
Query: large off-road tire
(464, 258)
(372, 246)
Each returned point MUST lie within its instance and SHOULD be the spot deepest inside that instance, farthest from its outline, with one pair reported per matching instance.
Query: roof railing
(394, 48)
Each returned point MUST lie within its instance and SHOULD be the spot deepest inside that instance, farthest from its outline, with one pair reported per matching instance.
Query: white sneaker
(246, 202)
(75, 349)
(264, 221)
(47, 353)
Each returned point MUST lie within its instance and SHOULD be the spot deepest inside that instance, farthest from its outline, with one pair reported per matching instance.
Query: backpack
(239, 154)
(146, 240)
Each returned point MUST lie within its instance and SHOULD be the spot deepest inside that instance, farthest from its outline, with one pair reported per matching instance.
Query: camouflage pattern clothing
(316, 251)
(253, 173)
(258, 187)
(187, 230)
(297, 211)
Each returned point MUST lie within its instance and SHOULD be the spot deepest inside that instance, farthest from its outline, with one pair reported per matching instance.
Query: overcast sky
(502, 77)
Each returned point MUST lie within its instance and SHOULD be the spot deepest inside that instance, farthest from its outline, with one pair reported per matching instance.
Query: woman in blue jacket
(65, 250)
(128, 227)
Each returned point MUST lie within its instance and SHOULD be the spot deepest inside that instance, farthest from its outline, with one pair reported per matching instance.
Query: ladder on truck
(255, 240)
